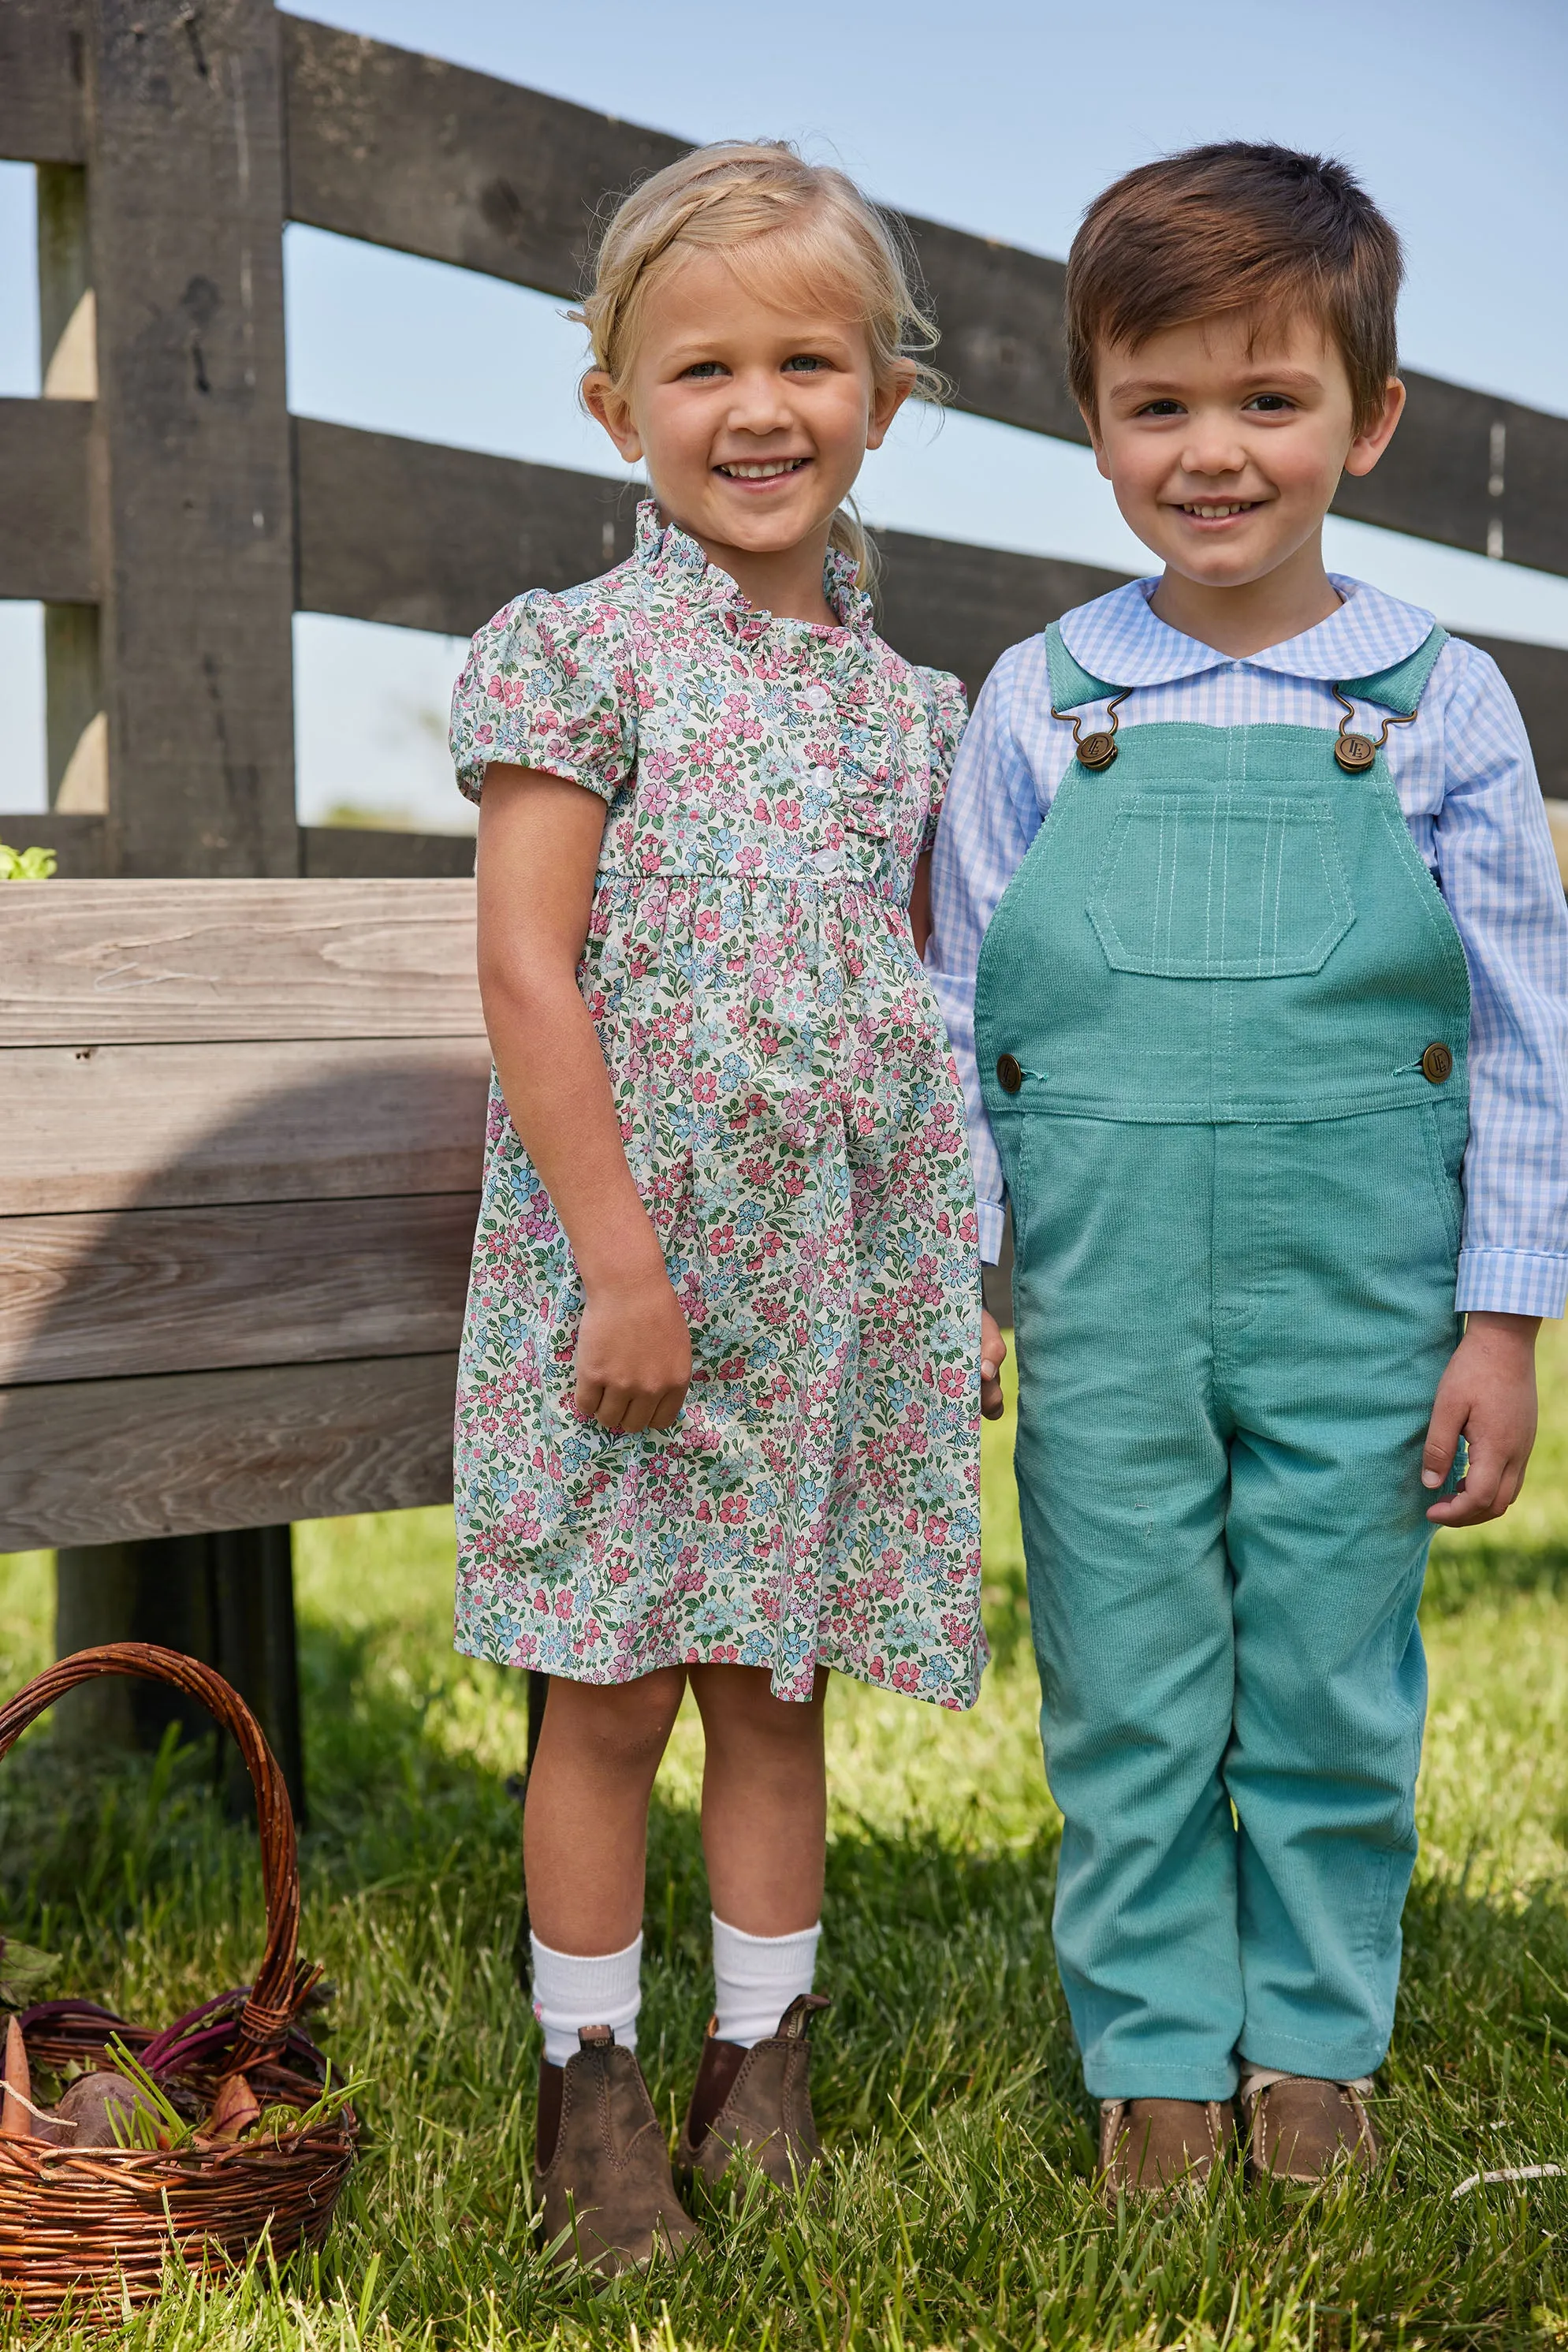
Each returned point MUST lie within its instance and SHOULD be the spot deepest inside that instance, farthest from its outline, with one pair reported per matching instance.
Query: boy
(1271, 1013)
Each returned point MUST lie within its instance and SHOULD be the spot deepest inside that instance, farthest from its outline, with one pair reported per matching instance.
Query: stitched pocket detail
(1221, 886)
(1446, 1190)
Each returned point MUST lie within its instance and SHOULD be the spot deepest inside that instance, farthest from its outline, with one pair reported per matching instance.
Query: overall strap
(1399, 687)
(1072, 684)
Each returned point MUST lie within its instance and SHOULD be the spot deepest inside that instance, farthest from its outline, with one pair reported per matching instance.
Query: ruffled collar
(675, 558)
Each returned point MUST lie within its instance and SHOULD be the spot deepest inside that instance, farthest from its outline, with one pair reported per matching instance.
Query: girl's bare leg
(585, 1823)
(765, 1800)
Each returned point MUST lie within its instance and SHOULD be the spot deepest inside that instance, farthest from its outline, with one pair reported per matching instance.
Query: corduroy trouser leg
(1228, 1339)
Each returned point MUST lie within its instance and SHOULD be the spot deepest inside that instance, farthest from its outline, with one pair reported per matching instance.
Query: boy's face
(1225, 443)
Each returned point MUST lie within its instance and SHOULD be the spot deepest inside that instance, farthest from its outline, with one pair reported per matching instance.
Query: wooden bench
(239, 1169)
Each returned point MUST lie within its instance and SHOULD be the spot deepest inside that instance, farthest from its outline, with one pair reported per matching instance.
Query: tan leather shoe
(1299, 2128)
(755, 2104)
(1150, 2148)
(604, 2191)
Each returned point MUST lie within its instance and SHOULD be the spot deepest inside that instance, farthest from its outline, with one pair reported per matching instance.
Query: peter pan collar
(675, 558)
(1121, 640)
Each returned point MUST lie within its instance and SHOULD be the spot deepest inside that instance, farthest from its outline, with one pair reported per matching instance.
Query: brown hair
(783, 226)
(1233, 228)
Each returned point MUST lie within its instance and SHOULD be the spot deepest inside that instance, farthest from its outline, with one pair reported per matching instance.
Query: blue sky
(1001, 118)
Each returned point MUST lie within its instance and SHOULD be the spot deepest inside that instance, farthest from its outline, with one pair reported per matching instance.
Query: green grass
(959, 2211)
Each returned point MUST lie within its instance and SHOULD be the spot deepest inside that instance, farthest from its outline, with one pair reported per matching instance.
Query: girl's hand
(993, 1355)
(634, 1353)
(1487, 1395)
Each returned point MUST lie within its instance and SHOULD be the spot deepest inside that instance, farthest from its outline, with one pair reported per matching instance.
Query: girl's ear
(887, 398)
(613, 411)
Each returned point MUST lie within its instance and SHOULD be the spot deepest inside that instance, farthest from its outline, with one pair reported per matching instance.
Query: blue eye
(704, 368)
(804, 362)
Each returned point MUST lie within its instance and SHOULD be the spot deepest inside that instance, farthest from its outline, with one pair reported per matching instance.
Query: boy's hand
(993, 1354)
(634, 1353)
(1487, 1395)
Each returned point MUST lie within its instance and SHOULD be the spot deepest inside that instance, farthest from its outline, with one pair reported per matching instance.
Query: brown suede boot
(753, 2104)
(1149, 2147)
(1299, 2128)
(603, 2189)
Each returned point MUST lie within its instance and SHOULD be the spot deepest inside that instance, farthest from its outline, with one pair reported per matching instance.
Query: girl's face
(753, 420)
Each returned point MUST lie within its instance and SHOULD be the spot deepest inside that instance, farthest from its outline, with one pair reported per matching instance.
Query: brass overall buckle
(1096, 751)
(1356, 752)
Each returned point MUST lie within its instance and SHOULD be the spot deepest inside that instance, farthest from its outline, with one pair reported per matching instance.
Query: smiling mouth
(1221, 512)
(766, 470)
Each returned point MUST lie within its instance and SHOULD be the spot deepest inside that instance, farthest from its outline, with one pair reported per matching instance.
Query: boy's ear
(1367, 448)
(612, 410)
(1091, 422)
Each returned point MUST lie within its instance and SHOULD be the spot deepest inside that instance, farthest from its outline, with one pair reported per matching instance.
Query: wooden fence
(171, 515)
(175, 524)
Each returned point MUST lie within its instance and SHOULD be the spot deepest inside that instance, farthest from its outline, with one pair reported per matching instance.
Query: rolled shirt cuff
(1508, 1282)
(992, 1219)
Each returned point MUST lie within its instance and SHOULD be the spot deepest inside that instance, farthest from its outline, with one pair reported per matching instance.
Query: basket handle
(273, 2001)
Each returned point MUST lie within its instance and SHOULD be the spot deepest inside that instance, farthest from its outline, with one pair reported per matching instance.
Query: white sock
(756, 1977)
(569, 1993)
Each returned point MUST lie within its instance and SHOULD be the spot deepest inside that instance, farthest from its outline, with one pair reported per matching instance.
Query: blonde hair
(819, 233)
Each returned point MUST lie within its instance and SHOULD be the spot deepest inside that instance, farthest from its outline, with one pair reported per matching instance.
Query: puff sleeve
(546, 685)
(948, 711)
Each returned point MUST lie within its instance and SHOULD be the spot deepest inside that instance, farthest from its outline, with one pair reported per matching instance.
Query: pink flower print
(907, 1675)
(732, 1511)
(788, 813)
(952, 1381)
(704, 1087)
(707, 923)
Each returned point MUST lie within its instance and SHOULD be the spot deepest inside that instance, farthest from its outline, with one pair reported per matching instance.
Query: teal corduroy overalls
(1222, 1016)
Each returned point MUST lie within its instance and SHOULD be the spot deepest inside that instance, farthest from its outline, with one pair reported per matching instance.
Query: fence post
(161, 278)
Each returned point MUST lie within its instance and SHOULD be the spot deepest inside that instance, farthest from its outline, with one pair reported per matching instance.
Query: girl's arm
(539, 847)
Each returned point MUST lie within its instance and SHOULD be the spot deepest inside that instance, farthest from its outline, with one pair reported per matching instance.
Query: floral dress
(792, 1120)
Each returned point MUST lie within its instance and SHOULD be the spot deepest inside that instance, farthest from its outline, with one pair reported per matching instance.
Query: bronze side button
(1355, 754)
(1010, 1077)
(1437, 1064)
(1096, 751)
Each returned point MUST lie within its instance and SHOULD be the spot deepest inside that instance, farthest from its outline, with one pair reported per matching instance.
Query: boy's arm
(988, 820)
(1500, 878)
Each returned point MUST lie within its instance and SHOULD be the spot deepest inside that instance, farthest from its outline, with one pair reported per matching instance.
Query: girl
(716, 1413)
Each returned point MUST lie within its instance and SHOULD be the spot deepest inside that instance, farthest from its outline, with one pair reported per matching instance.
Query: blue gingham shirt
(1466, 785)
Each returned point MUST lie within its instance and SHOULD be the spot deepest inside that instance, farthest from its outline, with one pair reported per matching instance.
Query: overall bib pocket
(1221, 886)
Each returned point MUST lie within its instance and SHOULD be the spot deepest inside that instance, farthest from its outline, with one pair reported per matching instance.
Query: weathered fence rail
(239, 1171)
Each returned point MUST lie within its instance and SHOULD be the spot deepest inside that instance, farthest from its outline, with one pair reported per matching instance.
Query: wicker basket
(93, 2228)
